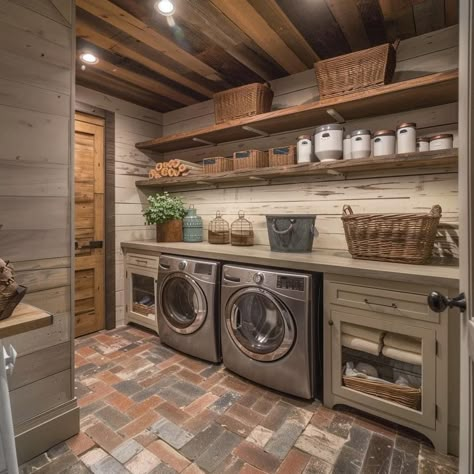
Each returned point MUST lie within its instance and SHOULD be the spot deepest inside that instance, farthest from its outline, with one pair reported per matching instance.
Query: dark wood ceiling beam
(277, 19)
(428, 15)
(350, 21)
(91, 34)
(136, 28)
(451, 12)
(373, 19)
(246, 17)
(398, 15)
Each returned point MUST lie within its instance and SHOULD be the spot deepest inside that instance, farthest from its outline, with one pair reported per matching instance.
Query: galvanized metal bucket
(291, 233)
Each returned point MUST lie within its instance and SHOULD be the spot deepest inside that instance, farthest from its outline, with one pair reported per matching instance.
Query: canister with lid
(360, 144)
(328, 142)
(384, 142)
(406, 138)
(422, 144)
(192, 226)
(443, 141)
(346, 147)
(304, 149)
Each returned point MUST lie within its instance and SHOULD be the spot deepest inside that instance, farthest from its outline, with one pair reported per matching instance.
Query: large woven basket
(217, 164)
(282, 156)
(401, 394)
(404, 238)
(250, 159)
(356, 72)
(244, 101)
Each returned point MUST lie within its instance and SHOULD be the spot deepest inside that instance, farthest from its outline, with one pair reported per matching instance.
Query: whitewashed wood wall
(132, 124)
(36, 83)
(416, 191)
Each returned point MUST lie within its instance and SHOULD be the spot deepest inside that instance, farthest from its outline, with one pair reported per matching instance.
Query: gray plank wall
(417, 191)
(36, 80)
(132, 124)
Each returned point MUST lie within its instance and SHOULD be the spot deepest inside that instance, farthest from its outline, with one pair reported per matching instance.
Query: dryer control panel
(290, 283)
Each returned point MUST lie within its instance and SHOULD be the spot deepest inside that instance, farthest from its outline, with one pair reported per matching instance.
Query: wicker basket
(356, 72)
(11, 293)
(404, 238)
(218, 164)
(244, 101)
(250, 159)
(401, 394)
(282, 156)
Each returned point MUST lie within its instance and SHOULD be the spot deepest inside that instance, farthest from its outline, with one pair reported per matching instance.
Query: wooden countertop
(25, 318)
(317, 261)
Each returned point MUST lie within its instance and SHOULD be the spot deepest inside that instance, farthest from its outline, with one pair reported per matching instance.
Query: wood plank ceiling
(165, 63)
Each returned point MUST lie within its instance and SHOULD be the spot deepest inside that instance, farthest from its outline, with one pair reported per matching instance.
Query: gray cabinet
(388, 311)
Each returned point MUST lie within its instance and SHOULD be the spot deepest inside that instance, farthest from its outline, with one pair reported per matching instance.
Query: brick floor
(148, 409)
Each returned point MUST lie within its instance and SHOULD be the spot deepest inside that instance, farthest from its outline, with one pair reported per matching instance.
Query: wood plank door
(466, 231)
(89, 180)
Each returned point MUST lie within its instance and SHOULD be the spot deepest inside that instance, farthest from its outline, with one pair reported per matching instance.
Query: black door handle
(438, 302)
(93, 244)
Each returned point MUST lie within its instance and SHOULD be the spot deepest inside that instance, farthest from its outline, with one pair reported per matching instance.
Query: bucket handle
(281, 232)
(347, 210)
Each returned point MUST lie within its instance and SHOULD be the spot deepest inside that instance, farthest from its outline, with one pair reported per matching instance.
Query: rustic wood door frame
(109, 117)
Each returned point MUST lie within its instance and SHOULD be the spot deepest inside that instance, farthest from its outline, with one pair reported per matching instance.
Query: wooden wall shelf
(24, 318)
(426, 91)
(426, 160)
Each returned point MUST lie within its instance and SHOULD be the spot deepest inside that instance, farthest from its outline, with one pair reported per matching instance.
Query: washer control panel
(290, 283)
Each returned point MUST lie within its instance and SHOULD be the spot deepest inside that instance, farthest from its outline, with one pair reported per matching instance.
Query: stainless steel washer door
(182, 303)
(259, 324)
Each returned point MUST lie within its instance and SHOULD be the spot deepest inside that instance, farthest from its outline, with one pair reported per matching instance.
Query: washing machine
(271, 325)
(188, 315)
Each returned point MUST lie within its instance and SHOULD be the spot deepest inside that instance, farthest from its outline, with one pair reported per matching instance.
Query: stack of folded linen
(402, 348)
(362, 338)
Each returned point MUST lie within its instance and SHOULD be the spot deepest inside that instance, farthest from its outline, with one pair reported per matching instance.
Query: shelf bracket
(205, 183)
(336, 115)
(255, 130)
(205, 142)
(334, 173)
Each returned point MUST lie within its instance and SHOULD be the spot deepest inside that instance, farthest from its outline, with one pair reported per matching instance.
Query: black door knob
(438, 302)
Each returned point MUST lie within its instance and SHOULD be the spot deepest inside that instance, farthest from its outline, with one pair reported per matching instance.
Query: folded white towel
(360, 344)
(400, 341)
(374, 335)
(401, 355)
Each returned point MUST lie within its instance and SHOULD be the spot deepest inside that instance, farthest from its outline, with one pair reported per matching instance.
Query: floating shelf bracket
(335, 173)
(247, 128)
(336, 115)
(205, 142)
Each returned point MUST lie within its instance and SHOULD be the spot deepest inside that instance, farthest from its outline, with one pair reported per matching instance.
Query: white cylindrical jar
(328, 142)
(360, 144)
(304, 149)
(406, 138)
(443, 141)
(422, 144)
(346, 147)
(384, 143)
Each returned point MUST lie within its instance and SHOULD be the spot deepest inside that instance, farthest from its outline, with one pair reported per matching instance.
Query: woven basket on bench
(356, 72)
(10, 292)
(404, 238)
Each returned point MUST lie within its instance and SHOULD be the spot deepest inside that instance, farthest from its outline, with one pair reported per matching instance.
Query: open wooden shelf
(426, 91)
(24, 318)
(426, 160)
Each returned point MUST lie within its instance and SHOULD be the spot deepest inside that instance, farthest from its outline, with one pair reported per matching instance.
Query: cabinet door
(141, 296)
(404, 354)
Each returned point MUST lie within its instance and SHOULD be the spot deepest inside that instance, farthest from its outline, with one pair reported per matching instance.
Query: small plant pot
(171, 231)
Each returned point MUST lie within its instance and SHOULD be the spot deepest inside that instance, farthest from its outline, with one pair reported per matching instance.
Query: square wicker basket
(357, 71)
(217, 164)
(244, 101)
(250, 159)
(403, 238)
(282, 156)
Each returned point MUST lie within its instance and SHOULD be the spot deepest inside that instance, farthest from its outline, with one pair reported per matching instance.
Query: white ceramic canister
(406, 138)
(444, 141)
(304, 149)
(346, 147)
(328, 142)
(384, 143)
(361, 144)
(422, 144)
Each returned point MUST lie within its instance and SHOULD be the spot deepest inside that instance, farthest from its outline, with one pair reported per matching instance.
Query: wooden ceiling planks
(249, 20)
(212, 45)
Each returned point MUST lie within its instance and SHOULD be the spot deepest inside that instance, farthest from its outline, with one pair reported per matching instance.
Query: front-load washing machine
(271, 326)
(188, 315)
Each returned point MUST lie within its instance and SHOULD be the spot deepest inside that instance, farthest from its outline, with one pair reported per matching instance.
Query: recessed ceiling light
(165, 7)
(89, 58)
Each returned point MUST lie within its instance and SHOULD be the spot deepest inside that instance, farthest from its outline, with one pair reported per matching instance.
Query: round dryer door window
(183, 304)
(260, 325)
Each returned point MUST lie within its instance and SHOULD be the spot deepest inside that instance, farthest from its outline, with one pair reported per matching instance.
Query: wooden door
(89, 224)
(466, 231)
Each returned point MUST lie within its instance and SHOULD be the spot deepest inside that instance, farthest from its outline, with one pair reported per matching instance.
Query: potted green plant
(167, 213)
